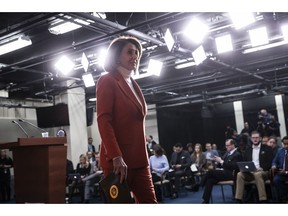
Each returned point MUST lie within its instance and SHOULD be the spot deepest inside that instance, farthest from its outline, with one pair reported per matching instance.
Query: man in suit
(180, 163)
(228, 163)
(280, 168)
(91, 147)
(150, 145)
(262, 156)
(5, 176)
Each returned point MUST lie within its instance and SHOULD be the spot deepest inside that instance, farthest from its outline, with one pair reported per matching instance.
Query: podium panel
(39, 169)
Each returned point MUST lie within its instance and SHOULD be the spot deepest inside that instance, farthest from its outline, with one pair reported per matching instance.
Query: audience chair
(222, 184)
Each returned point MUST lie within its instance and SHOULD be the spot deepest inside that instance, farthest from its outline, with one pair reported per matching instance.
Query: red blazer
(121, 120)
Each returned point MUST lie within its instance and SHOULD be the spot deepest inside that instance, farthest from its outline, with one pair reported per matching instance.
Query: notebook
(115, 192)
(246, 166)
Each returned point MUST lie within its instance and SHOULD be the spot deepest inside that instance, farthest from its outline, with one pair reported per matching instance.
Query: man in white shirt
(262, 156)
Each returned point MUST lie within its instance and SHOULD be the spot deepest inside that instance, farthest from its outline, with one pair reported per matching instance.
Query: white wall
(94, 133)
(10, 132)
(151, 125)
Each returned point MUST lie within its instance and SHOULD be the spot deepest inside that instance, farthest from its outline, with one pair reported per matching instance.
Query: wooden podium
(39, 169)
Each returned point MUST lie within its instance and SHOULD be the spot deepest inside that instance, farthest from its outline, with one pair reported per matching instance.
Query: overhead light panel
(284, 29)
(196, 30)
(61, 27)
(12, 45)
(169, 40)
(101, 15)
(154, 67)
(92, 99)
(242, 19)
(258, 36)
(85, 62)
(199, 55)
(64, 65)
(184, 63)
(263, 47)
(224, 43)
(88, 80)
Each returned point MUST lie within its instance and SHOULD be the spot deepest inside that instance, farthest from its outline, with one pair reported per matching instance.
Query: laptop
(74, 177)
(246, 166)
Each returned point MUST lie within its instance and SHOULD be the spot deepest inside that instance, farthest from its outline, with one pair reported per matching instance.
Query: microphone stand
(21, 120)
(15, 122)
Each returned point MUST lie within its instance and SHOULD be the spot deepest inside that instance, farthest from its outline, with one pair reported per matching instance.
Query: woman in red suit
(121, 111)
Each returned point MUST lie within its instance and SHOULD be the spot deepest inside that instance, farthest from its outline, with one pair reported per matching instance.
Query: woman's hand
(120, 167)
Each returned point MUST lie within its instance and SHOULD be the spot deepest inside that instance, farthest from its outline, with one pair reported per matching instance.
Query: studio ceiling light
(88, 80)
(263, 47)
(258, 36)
(199, 55)
(85, 62)
(169, 40)
(241, 20)
(64, 65)
(196, 30)
(154, 67)
(18, 43)
(62, 26)
(284, 29)
(224, 43)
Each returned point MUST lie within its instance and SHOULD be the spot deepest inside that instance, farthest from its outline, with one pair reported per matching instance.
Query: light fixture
(154, 67)
(18, 43)
(101, 15)
(61, 26)
(169, 40)
(199, 55)
(242, 19)
(284, 29)
(64, 65)
(263, 47)
(183, 63)
(196, 30)
(85, 62)
(258, 36)
(88, 80)
(224, 43)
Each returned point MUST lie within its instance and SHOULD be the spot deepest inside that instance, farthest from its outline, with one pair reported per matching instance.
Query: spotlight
(169, 40)
(258, 36)
(85, 62)
(199, 55)
(154, 67)
(224, 43)
(65, 65)
(88, 80)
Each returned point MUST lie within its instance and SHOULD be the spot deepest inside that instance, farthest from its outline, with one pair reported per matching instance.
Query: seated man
(280, 168)
(210, 154)
(227, 164)
(180, 163)
(262, 156)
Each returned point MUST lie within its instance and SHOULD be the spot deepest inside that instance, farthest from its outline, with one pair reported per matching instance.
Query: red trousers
(140, 183)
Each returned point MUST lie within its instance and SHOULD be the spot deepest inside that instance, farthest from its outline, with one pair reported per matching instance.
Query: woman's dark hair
(114, 51)
(158, 150)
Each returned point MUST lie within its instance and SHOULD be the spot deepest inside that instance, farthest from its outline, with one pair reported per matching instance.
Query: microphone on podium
(21, 120)
(15, 122)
